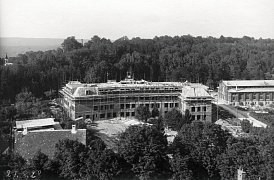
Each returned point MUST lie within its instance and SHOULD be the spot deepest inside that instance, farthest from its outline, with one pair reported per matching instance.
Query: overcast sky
(136, 18)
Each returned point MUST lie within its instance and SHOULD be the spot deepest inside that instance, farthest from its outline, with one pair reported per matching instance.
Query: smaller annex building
(247, 92)
(37, 124)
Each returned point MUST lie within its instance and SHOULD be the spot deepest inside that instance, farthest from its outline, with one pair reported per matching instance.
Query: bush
(246, 126)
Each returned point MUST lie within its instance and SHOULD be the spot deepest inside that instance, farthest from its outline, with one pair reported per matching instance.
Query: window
(127, 114)
(171, 105)
(157, 105)
(176, 104)
(192, 109)
(111, 106)
(121, 106)
(101, 107)
(122, 114)
(108, 115)
(204, 117)
(127, 106)
(114, 115)
(87, 116)
(102, 115)
(106, 107)
(95, 108)
(147, 105)
(89, 92)
(133, 114)
(133, 106)
(198, 117)
(261, 96)
(198, 109)
(204, 108)
(193, 117)
(166, 105)
(268, 96)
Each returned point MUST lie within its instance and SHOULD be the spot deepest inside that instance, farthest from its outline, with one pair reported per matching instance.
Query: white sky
(136, 18)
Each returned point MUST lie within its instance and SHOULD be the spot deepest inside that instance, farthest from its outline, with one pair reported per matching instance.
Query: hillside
(14, 46)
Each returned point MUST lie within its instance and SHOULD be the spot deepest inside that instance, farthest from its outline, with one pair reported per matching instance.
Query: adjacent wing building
(247, 92)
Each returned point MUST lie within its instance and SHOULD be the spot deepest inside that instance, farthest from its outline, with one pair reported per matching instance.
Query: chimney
(25, 130)
(73, 130)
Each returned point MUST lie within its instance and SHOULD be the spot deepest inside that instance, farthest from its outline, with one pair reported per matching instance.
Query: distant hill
(14, 46)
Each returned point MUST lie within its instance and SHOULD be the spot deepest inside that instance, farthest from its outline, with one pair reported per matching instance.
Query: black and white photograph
(136, 90)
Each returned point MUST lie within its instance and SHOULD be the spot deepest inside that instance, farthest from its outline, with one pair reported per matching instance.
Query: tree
(154, 112)
(241, 153)
(142, 113)
(145, 148)
(200, 143)
(70, 156)
(180, 166)
(39, 160)
(103, 163)
(27, 105)
(188, 116)
(70, 44)
(246, 125)
(174, 119)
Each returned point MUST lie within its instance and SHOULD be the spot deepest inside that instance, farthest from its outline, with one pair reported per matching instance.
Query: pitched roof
(35, 123)
(194, 92)
(249, 83)
(28, 145)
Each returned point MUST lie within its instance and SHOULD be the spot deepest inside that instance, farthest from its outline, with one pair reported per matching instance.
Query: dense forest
(195, 59)
(200, 151)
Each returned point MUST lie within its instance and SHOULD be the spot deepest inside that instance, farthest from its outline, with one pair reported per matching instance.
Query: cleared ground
(113, 127)
(108, 130)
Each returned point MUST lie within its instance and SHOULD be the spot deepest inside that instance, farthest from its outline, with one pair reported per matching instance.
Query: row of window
(135, 98)
(198, 109)
(142, 90)
(259, 96)
(127, 114)
(103, 107)
(102, 116)
(199, 117)
(157, 105)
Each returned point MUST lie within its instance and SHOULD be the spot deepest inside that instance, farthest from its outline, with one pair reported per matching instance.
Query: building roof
(194, 92)
(249, 83)
(77, 89)
(246, 90)
(35, 123)
(28, 145)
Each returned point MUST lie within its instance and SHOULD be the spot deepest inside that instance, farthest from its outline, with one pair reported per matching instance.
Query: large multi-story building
(119, 99)
(247, 92)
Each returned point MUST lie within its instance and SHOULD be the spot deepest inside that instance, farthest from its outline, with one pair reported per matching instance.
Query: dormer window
(89, 92)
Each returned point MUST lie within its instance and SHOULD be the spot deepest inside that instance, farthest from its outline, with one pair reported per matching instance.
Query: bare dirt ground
(113, 127)
(108, 130)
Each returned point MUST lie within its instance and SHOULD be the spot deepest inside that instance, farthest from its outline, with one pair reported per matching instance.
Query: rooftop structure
(247, 92)
(249, 83)
(28, 143)
(119, 99)
(36, 124)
